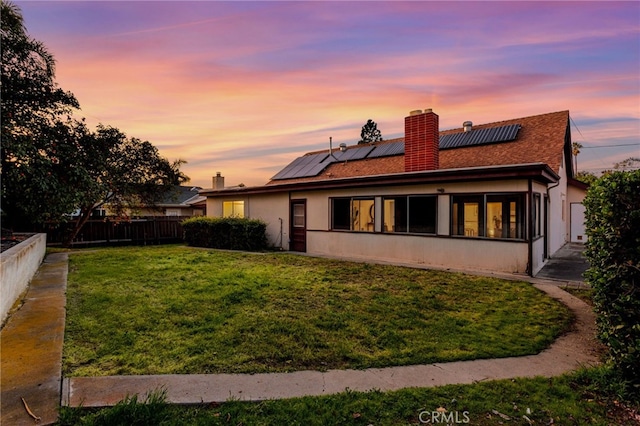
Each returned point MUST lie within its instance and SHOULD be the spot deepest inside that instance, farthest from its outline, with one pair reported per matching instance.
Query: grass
(180, 310)
(566, 400)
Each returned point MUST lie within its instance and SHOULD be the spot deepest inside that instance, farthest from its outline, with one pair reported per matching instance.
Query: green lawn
(176, 309)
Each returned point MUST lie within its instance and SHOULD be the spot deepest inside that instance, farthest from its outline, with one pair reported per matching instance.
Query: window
(491, 216)
(172, 212)
(354, 214)
(467, 216)
(537, 219)
(233, 209)
(416, 214)
(505, 216)
(298, 215)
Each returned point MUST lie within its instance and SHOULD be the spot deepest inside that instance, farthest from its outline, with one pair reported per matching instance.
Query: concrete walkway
(32, 349)
(567, 265)
(31, 361)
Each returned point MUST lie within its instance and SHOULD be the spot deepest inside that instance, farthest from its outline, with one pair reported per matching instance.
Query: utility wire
(611, 146)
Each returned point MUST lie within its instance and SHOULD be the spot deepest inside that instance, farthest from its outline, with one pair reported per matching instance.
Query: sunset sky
(244, 88)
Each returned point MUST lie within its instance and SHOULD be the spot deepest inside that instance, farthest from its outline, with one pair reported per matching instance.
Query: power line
(611, 146)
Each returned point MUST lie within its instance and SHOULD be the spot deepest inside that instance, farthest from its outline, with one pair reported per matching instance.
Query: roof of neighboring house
(541, 139)
(180, 196)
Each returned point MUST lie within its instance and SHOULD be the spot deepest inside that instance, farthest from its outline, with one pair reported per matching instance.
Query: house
(494, 197)
(178, 201)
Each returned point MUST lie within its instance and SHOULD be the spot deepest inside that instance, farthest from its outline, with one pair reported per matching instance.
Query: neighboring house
(179, 201)
(493, 197)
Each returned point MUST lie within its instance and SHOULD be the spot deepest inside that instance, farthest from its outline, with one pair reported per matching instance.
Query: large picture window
(354, 214)
(413, 214)
(491, 216)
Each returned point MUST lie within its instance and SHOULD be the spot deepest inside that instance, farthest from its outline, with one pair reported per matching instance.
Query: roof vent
(467, 125)
(343, 147)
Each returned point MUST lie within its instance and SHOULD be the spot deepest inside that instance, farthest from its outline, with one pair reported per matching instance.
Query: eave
(539, 172)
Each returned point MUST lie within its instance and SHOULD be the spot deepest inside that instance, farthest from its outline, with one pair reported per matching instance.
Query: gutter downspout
(530, 227)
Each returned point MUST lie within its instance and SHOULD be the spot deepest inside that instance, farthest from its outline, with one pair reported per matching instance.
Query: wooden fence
(144, 231)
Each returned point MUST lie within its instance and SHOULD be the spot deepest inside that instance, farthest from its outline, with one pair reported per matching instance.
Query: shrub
(225, 233)
(613, 249)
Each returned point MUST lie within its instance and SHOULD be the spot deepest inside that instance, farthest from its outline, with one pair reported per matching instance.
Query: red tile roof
(541, 139)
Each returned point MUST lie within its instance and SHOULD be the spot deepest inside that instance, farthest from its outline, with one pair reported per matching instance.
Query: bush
(225, 233)
(613, 249)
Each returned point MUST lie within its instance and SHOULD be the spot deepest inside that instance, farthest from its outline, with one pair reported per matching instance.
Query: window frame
(234, 204)
(351, 221)
(459, 202)
(408, 225)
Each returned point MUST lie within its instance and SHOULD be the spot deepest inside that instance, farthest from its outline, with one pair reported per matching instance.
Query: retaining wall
(18, 266)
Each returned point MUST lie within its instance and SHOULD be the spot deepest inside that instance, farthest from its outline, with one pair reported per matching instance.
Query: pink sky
(246, 87)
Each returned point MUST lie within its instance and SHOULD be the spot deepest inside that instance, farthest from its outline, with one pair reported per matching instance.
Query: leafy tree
(52, 164)
(630, 163)
(110, 169)
(586, 177)
(31, 103)
(370, 133)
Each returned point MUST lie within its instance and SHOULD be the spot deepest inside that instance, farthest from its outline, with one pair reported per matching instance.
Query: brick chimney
(218, 181)
(421, 141)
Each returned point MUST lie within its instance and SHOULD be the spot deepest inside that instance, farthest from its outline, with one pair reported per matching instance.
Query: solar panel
(312, 165)
(387, 150)
(353, 153)
(480, 136)
(303, 166)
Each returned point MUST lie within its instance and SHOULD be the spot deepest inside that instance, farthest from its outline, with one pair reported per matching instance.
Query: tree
(370, 133)
(575, 150)
(52, 164)
(631, 163)
(586, 177)
(107, 167)
(31, 103)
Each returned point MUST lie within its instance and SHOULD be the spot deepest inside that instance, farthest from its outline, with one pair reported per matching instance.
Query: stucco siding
(274, 210)
(558, 213)
(454, 253)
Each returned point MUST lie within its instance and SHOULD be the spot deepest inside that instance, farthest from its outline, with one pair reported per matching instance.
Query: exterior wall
(19, 264)
(538, 259)
(274, 210)
(455, 253)
(271, 208)
(441, 250)
(558, 213)
(437, 251)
